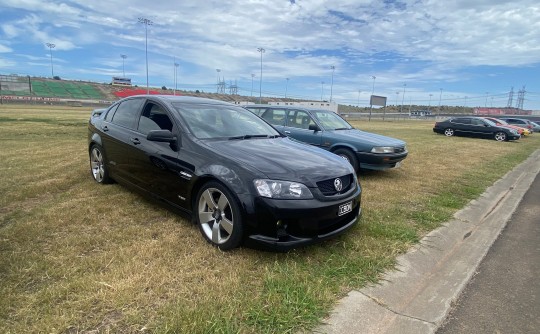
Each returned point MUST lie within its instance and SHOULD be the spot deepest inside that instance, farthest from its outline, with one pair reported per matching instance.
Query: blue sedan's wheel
(449, 132)
(349, 156)
(500, 136)
(218, 216)
(97, 165)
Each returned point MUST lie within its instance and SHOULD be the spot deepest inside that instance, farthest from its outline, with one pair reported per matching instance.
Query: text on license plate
(345, 208)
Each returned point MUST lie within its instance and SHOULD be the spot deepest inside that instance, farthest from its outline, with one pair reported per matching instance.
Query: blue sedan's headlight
(382, 149)
(282, 189)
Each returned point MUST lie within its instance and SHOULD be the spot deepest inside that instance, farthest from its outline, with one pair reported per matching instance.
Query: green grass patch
(79, 257)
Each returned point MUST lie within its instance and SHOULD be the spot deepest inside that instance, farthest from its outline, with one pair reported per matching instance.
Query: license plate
(345, 208)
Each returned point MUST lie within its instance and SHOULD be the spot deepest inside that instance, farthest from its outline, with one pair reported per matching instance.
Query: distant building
(243, 103)
(500, 111)
(121, 81)
(332, 106)
(420, 113)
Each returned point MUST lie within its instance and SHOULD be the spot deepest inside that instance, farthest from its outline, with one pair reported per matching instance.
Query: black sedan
(475, 127)
(235, 175)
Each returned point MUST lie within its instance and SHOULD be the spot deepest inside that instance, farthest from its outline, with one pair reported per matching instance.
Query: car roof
(184, 99)
(285, 107)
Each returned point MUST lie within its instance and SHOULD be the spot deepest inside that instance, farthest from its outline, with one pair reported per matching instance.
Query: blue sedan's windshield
(331, 121)
(219, 121)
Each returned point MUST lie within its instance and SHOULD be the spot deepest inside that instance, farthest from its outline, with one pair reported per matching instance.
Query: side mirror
(162, 136)
(314, 127)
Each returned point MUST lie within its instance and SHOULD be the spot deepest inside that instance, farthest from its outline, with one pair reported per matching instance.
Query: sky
(461, 52)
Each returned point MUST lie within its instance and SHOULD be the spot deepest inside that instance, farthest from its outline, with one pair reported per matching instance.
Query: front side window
(126, 113)
(331, 121)
(300, 119)
(154, 117)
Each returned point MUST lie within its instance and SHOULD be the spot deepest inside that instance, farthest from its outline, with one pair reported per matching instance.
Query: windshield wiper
(248, 137)
(343, 129)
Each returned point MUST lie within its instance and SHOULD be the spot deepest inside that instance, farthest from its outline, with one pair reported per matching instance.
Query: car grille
(399, 149)
(327, 186)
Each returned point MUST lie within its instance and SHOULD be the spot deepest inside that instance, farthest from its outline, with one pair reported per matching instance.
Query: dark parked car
(475, 127)
(326, 129)
(234, 174)
(523, 123)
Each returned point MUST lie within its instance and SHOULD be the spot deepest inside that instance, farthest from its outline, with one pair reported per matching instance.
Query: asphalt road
(504, 295)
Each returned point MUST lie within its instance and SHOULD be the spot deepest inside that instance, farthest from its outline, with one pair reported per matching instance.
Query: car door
(481, 128)
(462, 125)
(297, 127)
(156, 166)
(117, 130)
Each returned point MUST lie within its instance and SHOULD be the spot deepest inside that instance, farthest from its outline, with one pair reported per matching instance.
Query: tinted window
(127, 112)
(154, 117)
(110, 113)
(300, 119)
(462, 120)
(274, 116)
(476, 121)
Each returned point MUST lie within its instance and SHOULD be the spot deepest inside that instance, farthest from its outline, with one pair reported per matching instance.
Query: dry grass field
(78, 257)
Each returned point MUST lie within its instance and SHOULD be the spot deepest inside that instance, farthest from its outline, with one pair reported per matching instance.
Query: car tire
(449, 132)
(500, 136)
(98, 165)
(348, 155)
(218, 216)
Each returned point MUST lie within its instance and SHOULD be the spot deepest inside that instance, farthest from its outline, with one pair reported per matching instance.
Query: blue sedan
(326, 129)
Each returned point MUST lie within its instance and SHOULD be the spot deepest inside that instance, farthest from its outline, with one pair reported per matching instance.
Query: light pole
(429, 105)
(146, 23)
(485, 105)
(371, 97)
(286, 86)
(333, 68)
(175, 76)
(402, 98)
(252, 76)
(397, 96)
(440, 96)
(218, 82)
(358, 103)
(322, 90)
(261, 50)
(373, 88)
(123, 69)
(51, 46)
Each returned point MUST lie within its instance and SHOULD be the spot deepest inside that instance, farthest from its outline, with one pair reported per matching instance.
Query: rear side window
(274, 116)
(462, 120)
(126, 114)
(110, 113)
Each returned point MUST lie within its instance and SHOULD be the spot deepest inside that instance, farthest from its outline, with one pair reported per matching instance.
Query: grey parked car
(525, 123)
(328, 130)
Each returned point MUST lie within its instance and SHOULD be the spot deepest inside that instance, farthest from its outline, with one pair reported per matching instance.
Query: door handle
(135, 141)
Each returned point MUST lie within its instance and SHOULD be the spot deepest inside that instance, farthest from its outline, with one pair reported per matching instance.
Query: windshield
(331, 121)
(221, 121)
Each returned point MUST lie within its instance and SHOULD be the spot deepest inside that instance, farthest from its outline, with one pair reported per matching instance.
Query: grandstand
(65, 90)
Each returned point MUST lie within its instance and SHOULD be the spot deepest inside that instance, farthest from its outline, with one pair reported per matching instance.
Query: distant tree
(197, 91)
(164, 88)
(56, 77)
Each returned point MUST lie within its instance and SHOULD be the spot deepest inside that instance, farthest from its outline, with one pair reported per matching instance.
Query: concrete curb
(417, 296)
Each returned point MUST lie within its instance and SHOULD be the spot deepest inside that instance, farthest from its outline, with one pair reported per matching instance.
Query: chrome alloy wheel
(500, 136)
(449, 132)
(216, 216)
(97, 164)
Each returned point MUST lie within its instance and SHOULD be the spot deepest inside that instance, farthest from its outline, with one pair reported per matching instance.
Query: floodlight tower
(322, 90)
(333, 68)
(252, 76)
(146, 23)
(123, 69)
(51, 46)
(175, 76)
(286, 86)
(261, 50)
(402, 98)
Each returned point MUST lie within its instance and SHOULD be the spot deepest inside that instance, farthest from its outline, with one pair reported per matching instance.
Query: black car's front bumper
(284, 224)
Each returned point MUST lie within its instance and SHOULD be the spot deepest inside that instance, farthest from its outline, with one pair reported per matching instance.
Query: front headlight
(282, 189)
(382, 149)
